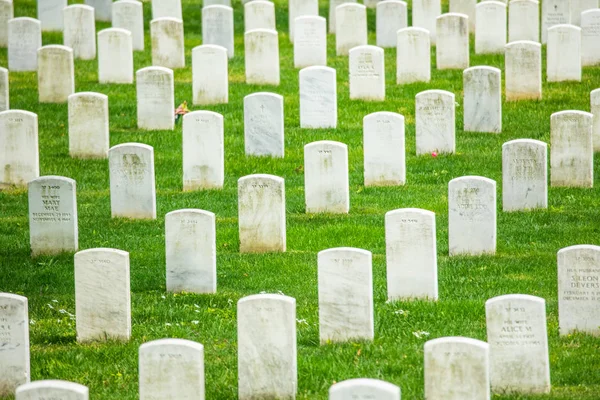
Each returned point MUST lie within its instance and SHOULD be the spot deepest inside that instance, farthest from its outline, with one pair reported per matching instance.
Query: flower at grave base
(181, 110)
(434, 154)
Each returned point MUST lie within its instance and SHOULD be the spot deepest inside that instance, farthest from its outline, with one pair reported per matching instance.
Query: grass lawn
(525, 262)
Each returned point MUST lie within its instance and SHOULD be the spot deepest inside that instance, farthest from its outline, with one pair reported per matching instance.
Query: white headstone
(6, 14)
(52, 215)
(571, 150)
(24, 39)
(411, 255)
(132, 188)
(191, 251)
(115, 56)
(578, 294)
(595, 109)
(267, 359)
(14, 342)
(391, 16)
(210, 80)
(326, 185)
(425, 14)
(262, 57)
(261, 213)
(466, 7)
(345, 279)
(310, 41)
(206, 3)
(580, 6)
(590, 37)
(102, 9)
(457, 368)
(332, 12)
(523, 65)
(516, 333)
(259, 14)
(50, 14)
(564, 53)
(367, 73)
(19, 153)
(482, 87)
(364, 389)
(472, 216)
(203, 151)
(351, 27)
(318, 97)
(4, 90)
(524, 20)
(155, 98)
(300, 8)
(166, 9)
(102, 295)
(129, 14)
(413, 56)
(171, 369)
(217, 27)
(554, 12)
(490, 32)
(80, 31)
(88, 125)
(452, 49)
(263, 124)
(167, 43)
(384, 149)
(56, 73)
(435, 122)
(52, 389)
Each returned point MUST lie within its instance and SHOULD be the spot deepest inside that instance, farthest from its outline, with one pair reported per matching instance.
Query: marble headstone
(102, 9)
(524, 175)
(490, 32)
(4, 90)
(391, 16)
(259, 14)
(563, 62)
(50, 14)
(554, 12)
(129, 14)
(363, 388)
(217, 27)
(263, 125)
(595, 109)
(155, 98)
(80, 31)
(524, 20)
(413, 56)
(384, 149)
(262, 57)
(210, 76)
(523, 66)
(590, 37)
(318, 97)
(351, 27)
(167, 43)
(425, 14)
(332, 12)
(466, 7)
(115, 56)
(482, 89)
(435, 116)
(452, 49)
(24, 39)
(367, 73)
(6, 14)
(56, 73)
(571, 149)
(14, 342)
(578, 7)
(166, 9)
(52, 390)
(19, 151)
(88, 125)
(326, 184)
(300, 8)
(310, 41)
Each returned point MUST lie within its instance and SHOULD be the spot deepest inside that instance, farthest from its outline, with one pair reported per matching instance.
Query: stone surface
(563, 62)
(345, 278)
(171, 369)
(79, 31)
(259, 14)
(435, 122)
(466, 7)
(167, 43)
(524, 20)
(6, 14)
(19, 153)
(14, 342)
(227, 3)
(554, 12)
(267, 359)
(262, 57)
(203, 150)
(590, 38)
(363, 388)
(392, 15)
(452, 50)
(425, 14)
(578, 294)
(332, 12)
(155, 98)
(56, 73)
(263, 125)
(102, 295)
(457, 368)
(217, 27)
(318, 97)
(524, 175)
(102, 9)
(595, 109)
(52, 390)
(300, 8)
(580, 6)
(367, 73)
(351, 27)
(472, 216)
(482, 87)
(261, 213)
(384, 149)
(413, 56)
(490, 31)
(50, 14)
(24, 39)
(210, 75)
(166, 9)
(4, 90)
(129, 14)
(516, 333)
(310, 41)
(115, 56)
(571, 150)
(326, 185)
(132, 188)
(523, 66)
(88, 125)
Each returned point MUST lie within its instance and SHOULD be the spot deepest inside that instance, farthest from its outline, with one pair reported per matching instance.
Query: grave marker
(102, 9)
(351, 27)
(115, 56)
(571, 149)
(166, 9)
(435, 122)
(332, 12)
(595, 109)
(14, 341)
(310, 41)
(52, 390)
(56, 73)
(554, 12)
(563, 53)
(50, 14)
(210, 76)
(524, 20)
(4, 90)
(523, 65)
(367, 73)
(88, 125)
(318, 97)
(466, 7)
(413, 56)
(129, 14)
(259, 14)
(326, 186)
(364, 389)
(452, 50)
(425, 14)
(167, 43)
(217, 27)
(6, 14)
(490, 32)
(524, 175)
(391, 16)
(300, 8)
(384, 149)
(79, 31)
(262, 57)
(580, 6)
(482, 99)
(19, 153)
(590, 37)
(263, 124)
(24, 39)
(155, 98)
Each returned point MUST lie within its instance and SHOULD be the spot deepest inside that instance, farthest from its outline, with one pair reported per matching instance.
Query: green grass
(525, 261)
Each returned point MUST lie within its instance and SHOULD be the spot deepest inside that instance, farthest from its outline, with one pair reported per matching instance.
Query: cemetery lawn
(525, 262)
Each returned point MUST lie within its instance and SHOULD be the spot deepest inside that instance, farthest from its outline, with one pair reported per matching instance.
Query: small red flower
(434, 154)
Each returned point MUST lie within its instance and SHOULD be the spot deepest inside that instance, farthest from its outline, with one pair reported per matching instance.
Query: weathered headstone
(102, 9)
(102, 295)
(435, 122)
(79, 31)
(571, 149)
(14, 342)
(457, 368)
(129, 14)
(472, 216)
(466, 7)
(210, 76)
(332, 12)
(490, 32)
(167, 43)
(88, 125)
(590, 37)
(115, 56)
(19, 153)
(326, 185)
(56, 73)
(452, 49)
(523, 20)
(391, 16)
(517, 336)
(6, 14)
(310, 41)
(217, 27)
(367, 73)
(318, 97)
(203, 150)
(166, 9)
(595, 109)
(263, 124)
(267, 358)
(206, 3)
(413, 56)
(580, 6)
(259, 14)
(24, 39)
(482, 89)
(364, 389)
(50, 14)
(262, 57)
(155, 98)
(300, 8)
(351, 27)
(4, 90)
(52, 390)
(523, 65)
(564, 53)
(384, 149)
(425, 14)
(554, 12)
(132, 188)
